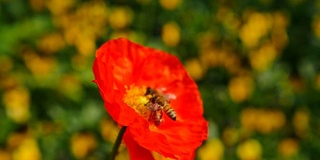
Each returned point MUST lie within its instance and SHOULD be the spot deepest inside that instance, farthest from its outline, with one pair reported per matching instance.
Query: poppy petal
(136, 152)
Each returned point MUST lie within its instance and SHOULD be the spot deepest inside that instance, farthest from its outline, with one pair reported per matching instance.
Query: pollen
(136, 99)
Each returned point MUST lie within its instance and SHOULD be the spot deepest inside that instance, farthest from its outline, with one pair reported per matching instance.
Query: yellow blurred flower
(249, 150)
(8, 81)
(280, 21)
(279, 35)
(194, 68)
(27, 150)
(279, 39)
(40, 67)
(214, 57)
(288, 147)
(109, 130)
(301, 122)
(316, 26)
(262, 58)
(16, 102)
(278, 119)
(15, 139)
(269, 120)
(213, 149)
(6, 64)
(86, 45)
(82, 27)
(248, 118)
(37, 5)
(82, 144)
(58, 7)
(4, 155)
(209, 57)
(240, 88)
(170, 4)
(230, 136)
(51, 43)
(120, 17)
(257, 26)
(171, 34)
(262, 120)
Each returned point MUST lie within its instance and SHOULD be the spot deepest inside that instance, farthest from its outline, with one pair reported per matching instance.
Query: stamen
(136, 99)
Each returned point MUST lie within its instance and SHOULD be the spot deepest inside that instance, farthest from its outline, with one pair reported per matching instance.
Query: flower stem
(116, 145)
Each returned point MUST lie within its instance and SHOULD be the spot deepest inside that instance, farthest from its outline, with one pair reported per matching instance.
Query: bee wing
(169, 96)
(153, 107)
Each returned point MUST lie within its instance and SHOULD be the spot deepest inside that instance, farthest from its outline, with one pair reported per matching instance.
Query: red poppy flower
(125, 72)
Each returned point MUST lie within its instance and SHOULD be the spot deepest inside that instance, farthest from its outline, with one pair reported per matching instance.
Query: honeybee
(158, 104)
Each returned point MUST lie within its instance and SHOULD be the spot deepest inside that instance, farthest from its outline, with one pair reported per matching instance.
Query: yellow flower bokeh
(171, 34)
(288, 147)
(40, 67)
(170, 4)
(257, 26)
(120, 17)
(301, 122)
(58, 7)
(82, 144)
(262, 120)
(316, 26)
(195, 69)
(109, 130)
(213, 149)
(51, 43)
(6, 64)
(250, 149)
(230, 136)
(83, 26)
(37, 5)
(17, 103)
(262, 58)
(240, 88)
(27, 150)
(4, 155)
(279, 35)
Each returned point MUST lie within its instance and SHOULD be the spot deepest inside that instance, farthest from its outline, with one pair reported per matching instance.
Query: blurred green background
(257, 64)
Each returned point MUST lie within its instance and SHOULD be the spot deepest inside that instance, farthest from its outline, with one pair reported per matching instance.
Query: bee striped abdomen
(170, 112)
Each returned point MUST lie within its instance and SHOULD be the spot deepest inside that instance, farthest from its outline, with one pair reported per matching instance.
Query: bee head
(149, 91)
(153, 99)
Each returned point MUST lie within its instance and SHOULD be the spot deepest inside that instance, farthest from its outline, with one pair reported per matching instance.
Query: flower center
(149, 103)
(136, 99)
